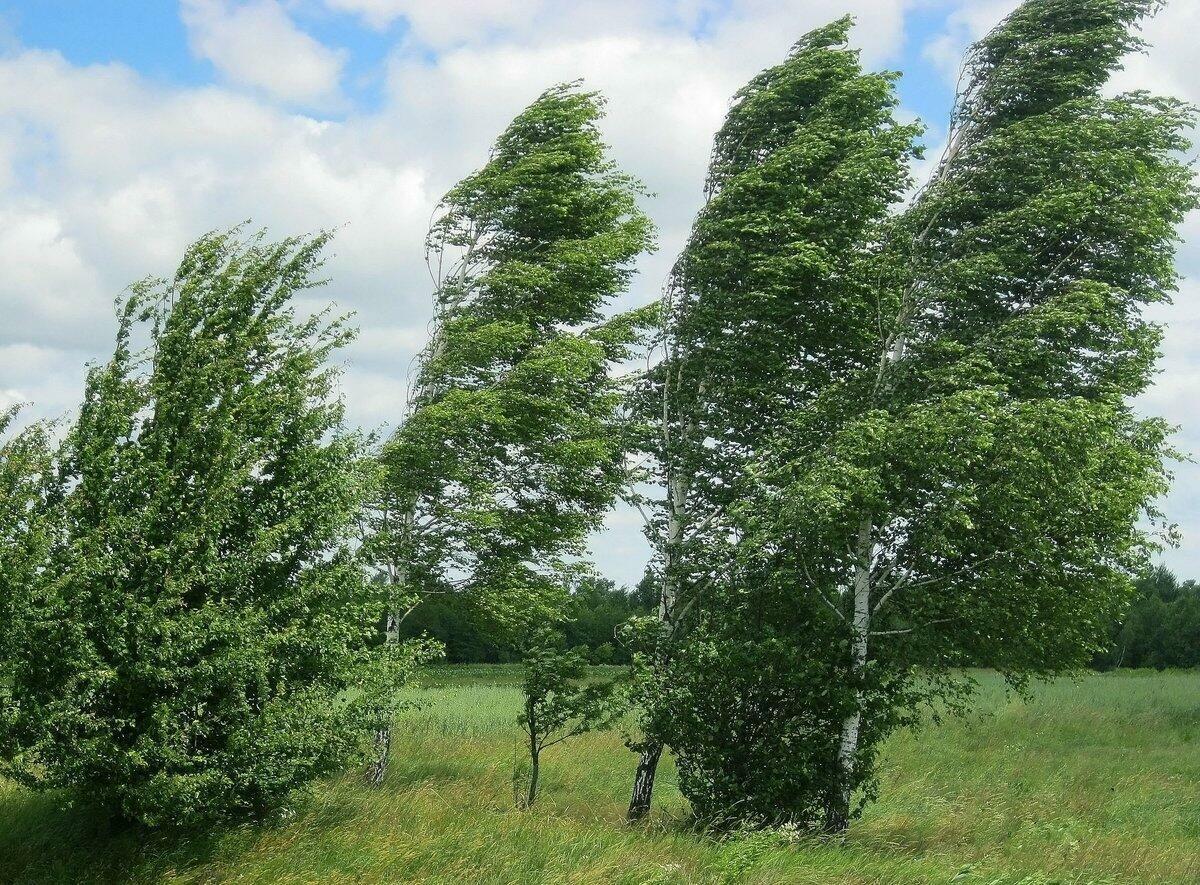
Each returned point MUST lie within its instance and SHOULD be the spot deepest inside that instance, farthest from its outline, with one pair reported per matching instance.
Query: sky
(130, 127)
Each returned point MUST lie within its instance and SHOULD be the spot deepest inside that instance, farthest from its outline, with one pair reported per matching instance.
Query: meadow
(1095, 780)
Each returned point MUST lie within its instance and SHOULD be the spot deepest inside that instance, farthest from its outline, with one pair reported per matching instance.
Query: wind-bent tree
(514, 443)
(26, 522)
(779, 268)
(977, 493)
(199, 642)
(558, 703)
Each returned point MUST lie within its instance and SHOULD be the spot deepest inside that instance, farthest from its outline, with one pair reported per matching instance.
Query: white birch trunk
(677, 512)
(398, 579)
(861, 626)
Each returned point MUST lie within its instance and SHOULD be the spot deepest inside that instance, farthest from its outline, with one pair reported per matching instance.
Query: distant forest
(1160, 630)
(596, 610)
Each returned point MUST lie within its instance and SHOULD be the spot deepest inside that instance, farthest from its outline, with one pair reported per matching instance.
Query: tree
(976, 492)
(514, 445)
(199, 644)
(765, 307)
(558, 703)
(596, 611)
(1161, 628)
(26, 522)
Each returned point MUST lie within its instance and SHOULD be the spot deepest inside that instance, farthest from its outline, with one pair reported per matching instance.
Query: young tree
(976, 494)
(559, 703)
(198, 644)
(765, 306)
(513, 447)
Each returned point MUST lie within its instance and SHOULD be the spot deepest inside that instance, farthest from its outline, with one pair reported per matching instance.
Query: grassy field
(1095, 781)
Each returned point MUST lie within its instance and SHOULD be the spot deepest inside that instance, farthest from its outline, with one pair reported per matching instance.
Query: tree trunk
(383, 748)
(383, 736)
(838, 813)
(677, 501)
(533, 779)
(643, 782)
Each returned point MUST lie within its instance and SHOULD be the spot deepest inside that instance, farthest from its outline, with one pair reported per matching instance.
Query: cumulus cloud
(447, 21)
(257, 44)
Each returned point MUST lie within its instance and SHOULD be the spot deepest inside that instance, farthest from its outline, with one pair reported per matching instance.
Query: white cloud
(966, 23)
(133, 172)
(447, 21)
(48, 289)
(256, 44)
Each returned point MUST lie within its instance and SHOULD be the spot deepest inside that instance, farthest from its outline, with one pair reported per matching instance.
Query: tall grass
(1089, 781)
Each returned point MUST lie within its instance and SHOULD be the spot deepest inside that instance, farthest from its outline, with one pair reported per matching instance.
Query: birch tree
(514, 444)
(764, 307)
(979, 493)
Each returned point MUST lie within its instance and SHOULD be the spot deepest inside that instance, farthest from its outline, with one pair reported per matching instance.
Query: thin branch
(825, 599)
(908, 629)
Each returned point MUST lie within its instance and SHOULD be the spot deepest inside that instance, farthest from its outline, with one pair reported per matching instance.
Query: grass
(1090, 781)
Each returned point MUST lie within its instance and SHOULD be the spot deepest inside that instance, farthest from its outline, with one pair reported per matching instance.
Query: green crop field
(1089, 781)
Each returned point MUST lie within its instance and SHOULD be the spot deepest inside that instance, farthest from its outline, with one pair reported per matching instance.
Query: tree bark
(383, 736)
(838, 814)
(643, 782)
(677, 500)
(533, 779)
(398, 578)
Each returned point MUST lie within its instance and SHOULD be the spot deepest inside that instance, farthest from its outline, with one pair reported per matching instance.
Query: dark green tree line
(1161, 629)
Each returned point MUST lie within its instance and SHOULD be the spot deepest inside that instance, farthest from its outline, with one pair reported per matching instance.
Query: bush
(201, 640)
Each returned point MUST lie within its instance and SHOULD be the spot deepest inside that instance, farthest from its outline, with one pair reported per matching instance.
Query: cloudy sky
(129, 128)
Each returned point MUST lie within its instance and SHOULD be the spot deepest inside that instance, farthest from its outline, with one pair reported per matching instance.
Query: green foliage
(774, 299)
(26, 524)
(1161, 628)
(197, 643)
(514, 445)
(979, 491)
(595, 613)
(558, 703)
(908, 438)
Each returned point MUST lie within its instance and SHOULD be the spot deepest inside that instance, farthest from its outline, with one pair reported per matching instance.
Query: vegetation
(1096, 781)
(592, 617)
(512, 449)
(902, 442)
(891, 441)
(558, 703)
(184, 649)
(1161, 628)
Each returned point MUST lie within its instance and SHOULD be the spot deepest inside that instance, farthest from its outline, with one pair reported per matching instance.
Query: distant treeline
(1162, 627)
(1160, 630)
(596, 609)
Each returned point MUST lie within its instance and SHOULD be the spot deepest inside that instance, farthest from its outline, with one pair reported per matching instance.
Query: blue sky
(129, 127)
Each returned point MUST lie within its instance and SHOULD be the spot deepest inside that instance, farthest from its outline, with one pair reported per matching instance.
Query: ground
(1095, 780)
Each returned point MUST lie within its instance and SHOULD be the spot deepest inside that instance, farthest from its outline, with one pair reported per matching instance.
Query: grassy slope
(1091, 782)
